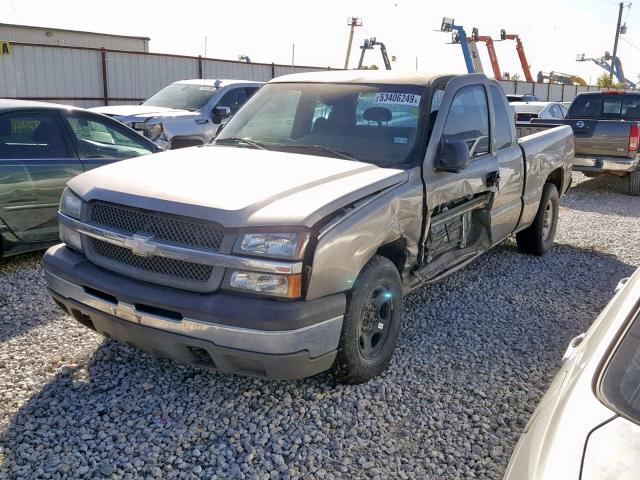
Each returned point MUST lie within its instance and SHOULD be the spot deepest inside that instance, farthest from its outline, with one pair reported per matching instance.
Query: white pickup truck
(185, 113)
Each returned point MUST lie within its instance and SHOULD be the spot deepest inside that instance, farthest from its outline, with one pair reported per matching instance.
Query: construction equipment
(603, 62)
(368, 44)
(562, 78)
(520, 49)
(475, 55)
(497, 74)
(459, 36)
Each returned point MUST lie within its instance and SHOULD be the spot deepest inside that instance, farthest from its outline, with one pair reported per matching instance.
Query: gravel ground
(477, 352)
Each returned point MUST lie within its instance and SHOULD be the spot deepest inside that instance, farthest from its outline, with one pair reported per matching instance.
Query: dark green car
(42, 146)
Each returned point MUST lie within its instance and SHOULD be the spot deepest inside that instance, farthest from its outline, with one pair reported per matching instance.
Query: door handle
(493, 180)
(202, 121)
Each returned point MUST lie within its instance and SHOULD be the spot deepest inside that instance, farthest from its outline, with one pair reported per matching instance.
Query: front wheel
(537, 239)
(371, 323)
(634, 183)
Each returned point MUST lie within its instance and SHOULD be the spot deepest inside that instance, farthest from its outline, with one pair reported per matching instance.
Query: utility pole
(615, 43)
(353, 22)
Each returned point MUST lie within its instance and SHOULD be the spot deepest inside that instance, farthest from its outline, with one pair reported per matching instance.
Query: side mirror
(453, 156)
(220, 113)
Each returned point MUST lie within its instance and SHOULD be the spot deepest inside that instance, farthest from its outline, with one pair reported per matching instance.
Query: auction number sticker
(398, 99)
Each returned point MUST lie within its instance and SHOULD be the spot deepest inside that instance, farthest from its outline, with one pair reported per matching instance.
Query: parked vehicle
(285, 248)
(587, 425)
(185, 113)
(525, 111)
(517, 97)
(605, 125)
(42, 146)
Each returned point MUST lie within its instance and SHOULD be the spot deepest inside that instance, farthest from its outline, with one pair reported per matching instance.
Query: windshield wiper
(238, 140)
(335, 153)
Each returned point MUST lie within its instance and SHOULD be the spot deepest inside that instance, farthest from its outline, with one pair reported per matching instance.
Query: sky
(553, 31)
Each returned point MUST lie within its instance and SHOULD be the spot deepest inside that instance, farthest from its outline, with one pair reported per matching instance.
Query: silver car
(185, 113)
(587, 424)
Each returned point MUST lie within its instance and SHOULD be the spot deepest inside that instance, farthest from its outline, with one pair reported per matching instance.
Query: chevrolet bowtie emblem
(140, 245)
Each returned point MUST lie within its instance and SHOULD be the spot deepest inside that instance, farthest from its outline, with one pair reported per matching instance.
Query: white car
(587, 425)
(525, 111)
(185, 113)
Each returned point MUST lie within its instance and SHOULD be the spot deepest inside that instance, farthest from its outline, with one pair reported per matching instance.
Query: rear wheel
(537, 239)
(371, 323)
(634, 183)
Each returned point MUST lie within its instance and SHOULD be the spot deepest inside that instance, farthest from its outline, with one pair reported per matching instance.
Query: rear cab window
(502, 119)
(613, 106)
(620, 380)
(32, 135)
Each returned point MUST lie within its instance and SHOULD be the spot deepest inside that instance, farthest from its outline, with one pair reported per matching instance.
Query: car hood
(141, 111)
(237, 187)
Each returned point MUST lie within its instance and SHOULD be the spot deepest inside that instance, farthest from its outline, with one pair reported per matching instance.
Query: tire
(634, 183)
(365, 349)
(537, 239)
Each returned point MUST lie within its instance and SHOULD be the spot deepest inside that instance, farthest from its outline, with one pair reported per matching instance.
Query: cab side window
(31, 135)
(468, 119)
(502, 119)
(99, 138)
(234, 99)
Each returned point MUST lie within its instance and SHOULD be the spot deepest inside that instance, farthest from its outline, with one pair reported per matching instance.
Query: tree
(605, 81)
(515, 77)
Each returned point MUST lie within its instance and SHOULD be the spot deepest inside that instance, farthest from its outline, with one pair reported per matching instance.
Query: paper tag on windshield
(207, 88)
(398, 99)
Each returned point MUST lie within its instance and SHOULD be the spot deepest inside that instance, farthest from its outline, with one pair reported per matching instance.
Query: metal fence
(88, 77)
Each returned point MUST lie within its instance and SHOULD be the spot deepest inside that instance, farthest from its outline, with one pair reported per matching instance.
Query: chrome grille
(168, 267)
(160, 226)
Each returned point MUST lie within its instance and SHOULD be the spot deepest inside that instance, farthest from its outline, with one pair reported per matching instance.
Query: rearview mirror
(220, 113)
(453, 156)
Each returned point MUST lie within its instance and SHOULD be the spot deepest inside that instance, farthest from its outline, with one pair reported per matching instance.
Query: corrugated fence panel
(569, 93)
(33, 71)
(131, 75)
(555, 92)
(286, 70)
(541, 90)
(524, 87)
(508, 86)
(582, 89)
(236, 70)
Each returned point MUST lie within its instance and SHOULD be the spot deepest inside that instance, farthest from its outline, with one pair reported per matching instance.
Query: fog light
(71, 237)
(266, 283)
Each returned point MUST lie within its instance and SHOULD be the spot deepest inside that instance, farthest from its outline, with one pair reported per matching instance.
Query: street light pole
(615, 43)
(353, 22)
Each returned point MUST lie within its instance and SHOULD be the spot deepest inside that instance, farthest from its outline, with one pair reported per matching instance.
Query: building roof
(33, 27)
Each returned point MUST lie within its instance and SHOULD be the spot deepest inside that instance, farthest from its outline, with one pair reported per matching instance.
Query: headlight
(70, 204)
(275, 245)
(151, 131)
(289, 286)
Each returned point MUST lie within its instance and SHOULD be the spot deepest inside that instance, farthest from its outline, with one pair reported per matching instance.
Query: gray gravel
(476, 354)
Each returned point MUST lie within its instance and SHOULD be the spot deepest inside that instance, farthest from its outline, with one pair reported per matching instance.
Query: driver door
(458, 223)
(100, 141)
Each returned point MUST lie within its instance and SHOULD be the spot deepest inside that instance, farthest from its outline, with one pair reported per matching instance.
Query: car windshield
(620, 385)
(378, 124)
(606, 106)
(183, 96)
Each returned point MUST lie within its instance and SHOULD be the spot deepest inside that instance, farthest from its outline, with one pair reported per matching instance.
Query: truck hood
(140, 112)
(237, 187)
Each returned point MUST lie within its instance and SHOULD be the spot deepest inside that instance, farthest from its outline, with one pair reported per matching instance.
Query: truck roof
(366, 76)
(10, 104)
(212, 81)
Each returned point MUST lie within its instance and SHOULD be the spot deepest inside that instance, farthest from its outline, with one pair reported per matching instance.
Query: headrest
(377, 114)
(5, 127)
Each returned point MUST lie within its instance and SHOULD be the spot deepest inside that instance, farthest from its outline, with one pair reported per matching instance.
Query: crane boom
(603, 63)
(460, 36)
(368, 44)
(521, 55)
(497, 74)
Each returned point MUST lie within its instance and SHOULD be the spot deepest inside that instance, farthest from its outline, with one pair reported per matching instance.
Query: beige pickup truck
(285, 248)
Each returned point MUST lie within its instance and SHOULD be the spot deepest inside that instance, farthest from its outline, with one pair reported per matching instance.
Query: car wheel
(537, 239)
(634, 183)
(371, 323)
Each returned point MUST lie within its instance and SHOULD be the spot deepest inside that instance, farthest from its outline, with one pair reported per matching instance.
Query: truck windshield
(182, 96)
(620, 385)
(373, 123)
(606, 106)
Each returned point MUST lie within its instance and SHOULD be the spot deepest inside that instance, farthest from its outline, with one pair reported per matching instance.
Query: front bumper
(225, 332)
(605, 164)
